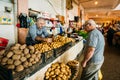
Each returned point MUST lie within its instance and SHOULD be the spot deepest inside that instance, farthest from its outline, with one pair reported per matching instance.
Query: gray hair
(40, 19)
(91, 22)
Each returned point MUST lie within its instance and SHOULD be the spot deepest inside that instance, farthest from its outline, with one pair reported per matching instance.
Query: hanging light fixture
(96, 2)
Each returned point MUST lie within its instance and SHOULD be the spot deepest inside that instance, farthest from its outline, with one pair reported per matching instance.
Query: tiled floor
(111, 66)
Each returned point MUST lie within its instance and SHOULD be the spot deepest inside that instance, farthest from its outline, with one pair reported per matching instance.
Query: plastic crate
(28, 71)
(47, 55)
(5, 74)
(59, 51)
(67, 46)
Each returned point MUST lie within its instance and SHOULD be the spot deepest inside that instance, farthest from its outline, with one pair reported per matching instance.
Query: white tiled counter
(68, 55)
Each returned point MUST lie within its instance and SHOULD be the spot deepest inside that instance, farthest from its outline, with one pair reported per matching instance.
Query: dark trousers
(29, 41)
(90, 72)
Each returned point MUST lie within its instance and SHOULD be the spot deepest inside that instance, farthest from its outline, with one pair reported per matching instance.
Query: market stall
(68, 55)
(31, 62)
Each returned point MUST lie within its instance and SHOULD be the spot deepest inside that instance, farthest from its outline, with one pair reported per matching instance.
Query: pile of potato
(55, 44)
(62, 39)
(58, 71)
(42, 47)
(20, 57)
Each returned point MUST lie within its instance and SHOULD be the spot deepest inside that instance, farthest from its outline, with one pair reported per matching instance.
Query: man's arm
(32, 31)
(88, 55)
(38, 38)
(46, 34)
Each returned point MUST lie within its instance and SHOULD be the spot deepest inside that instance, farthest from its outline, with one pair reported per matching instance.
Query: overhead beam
(76, 2)
(115, 4)
(97, 10)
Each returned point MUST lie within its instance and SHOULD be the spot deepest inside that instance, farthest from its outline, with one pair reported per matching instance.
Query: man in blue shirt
(37, 33)
(93, 52)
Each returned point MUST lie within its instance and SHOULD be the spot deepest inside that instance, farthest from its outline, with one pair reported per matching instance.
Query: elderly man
(37, 33)
(93, 52)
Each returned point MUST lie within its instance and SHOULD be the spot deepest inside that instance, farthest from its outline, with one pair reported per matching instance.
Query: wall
(7, 31)
(82, 14)
(23, 6)
(53, 7)
(73, 12)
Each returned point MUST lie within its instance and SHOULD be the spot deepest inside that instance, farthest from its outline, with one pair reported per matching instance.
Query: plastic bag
(3, 43)
(100, 76)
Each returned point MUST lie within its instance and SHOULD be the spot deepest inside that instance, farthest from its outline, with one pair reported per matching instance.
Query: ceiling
(102, 10)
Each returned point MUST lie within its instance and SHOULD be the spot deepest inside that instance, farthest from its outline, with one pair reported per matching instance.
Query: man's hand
(48, 40)
(83, 64)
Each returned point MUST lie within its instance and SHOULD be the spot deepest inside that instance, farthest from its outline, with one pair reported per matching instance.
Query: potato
(53, 66)
(22, 59)
(63, 70)
(62, 65)
(18, 45)
(57, 71)
(64, 77)
(51, 73)
(32, 51)
(53, 76)
(36, 59)
(29, 64)
(23, 46)
(58, 67)
(22, 55)
(19, 68)
(26, 50)
(4, 60)
(30, 59)
(33, 62)
(58, 78)
(27, 55)
(14, 48)
(3, 63)
(17, 62)
(38, 55)
(10, 61)
(54, 79)
(47, 74)
(49, 69)
(66, 73)
(11, 66)
(47, 77)
(16, 57)
(33, 56)
(60, 75)
(31, 47)
(9, 54)
(17, 51)
(25, 64)
(2, 52)
(50, 78)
